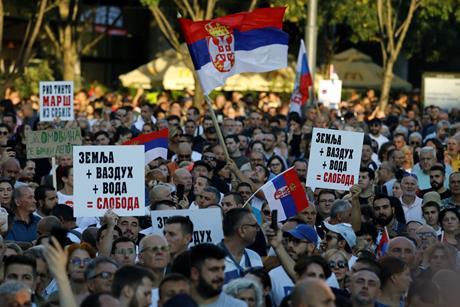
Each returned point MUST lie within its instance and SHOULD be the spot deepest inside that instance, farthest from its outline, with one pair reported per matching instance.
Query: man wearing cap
(431, 207)
(301, 242)
(375, 127)
(437, 178)
(342, 237)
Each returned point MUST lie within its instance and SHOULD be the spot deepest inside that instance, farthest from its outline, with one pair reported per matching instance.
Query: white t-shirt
(250, 259)
(226, 300)
(65, 199)
(413, 212)
(282, 285)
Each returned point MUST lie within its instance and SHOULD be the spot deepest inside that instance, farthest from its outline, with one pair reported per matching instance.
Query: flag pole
(216, 125)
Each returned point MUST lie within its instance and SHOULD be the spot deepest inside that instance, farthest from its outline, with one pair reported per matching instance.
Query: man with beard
(301, 242)
(300, 167)
(129, 226)
(132, 286)
(233, 146)
(207, 263)
(437, 177)
(364, 288)
(384, 214)
(46, 198)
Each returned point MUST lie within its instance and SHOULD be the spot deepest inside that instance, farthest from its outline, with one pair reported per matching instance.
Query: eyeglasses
(103, 275)
(3, 132)
(78, 261)
(337, 265)
(156, 249)
(255, 225)
(415, 143)
(124, 251)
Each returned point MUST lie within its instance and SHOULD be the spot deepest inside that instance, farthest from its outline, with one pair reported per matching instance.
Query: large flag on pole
(243, 42)
(155, 144)
(303, 81)
(286, 194)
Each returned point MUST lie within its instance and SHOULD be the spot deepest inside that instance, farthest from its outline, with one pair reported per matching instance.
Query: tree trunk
(386, 84)
(1, 26)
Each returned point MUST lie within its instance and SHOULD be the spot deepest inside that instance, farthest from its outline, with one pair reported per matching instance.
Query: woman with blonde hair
(408, 158)
(338, 263)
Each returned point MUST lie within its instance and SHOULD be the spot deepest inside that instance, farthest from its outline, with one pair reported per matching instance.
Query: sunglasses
(338, 265)
(3, 132)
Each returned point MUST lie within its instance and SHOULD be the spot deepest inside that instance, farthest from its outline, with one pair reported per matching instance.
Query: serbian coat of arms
(221, 46)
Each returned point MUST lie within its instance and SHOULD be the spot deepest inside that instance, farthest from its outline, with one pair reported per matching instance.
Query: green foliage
(27, 84)
(149, 3)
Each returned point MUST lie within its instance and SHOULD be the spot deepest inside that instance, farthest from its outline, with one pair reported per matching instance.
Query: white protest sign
(335, 159)
(56, 100)
(108, 177)
(330, 93)
(207, 223)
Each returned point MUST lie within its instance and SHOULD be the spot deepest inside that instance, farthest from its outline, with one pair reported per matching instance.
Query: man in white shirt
(412, 205)
(301, 242)
(240, 230)
(375, 127)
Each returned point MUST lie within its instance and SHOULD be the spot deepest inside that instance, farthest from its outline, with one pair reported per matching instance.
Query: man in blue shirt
(24, 227)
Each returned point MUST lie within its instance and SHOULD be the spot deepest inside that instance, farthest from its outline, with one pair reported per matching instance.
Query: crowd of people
(333, 253)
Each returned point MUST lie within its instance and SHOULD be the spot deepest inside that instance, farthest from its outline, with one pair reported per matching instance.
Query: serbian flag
(229, 45)
(383, 243)
(303, 81)
(286, 194)
(155, 144)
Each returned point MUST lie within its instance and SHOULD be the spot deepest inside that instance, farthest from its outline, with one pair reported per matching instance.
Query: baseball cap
(304, 232)
(345, 230)
(432, 197)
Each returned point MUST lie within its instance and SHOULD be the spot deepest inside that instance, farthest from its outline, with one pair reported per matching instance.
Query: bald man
(11, 169)
(154, 254)
(405, 249)
(184, 177)
(312, 292)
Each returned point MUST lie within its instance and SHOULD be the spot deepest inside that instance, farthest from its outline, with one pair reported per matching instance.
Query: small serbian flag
(229, 45)
(155, 144)
(383, 243)
(286, 194)
(303, 81)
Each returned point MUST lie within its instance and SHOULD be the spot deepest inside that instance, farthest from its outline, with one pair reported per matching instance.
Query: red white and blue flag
(303, 81)
(243, 42)
(155, 144)
(382, 247)
(286, 194)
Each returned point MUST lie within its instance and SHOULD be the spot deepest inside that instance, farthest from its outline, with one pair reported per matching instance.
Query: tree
(384, 22)
(194, 10)
(65, 33)
(10, 72)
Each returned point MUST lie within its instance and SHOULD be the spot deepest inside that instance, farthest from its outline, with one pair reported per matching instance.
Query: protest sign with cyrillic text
(108, 177)
(335, 159)
(56, 100)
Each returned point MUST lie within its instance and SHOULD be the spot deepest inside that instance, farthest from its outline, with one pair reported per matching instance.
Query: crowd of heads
(392, 238)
